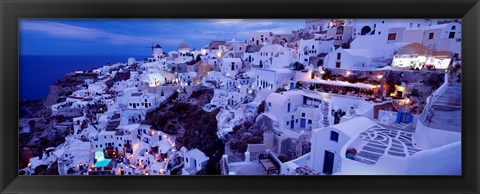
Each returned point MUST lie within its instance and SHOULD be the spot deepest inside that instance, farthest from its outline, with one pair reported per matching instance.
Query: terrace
(378, 141)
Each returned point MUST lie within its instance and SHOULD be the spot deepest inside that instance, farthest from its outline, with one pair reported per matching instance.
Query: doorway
(328, 162)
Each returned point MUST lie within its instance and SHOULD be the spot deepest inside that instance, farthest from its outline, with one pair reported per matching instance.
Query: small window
(309, 121)
(334, 136)
(430, 36)
(303, 114)
(269, 104)
(392, 36)
(451, 35)
(339, 55)
(288, 123)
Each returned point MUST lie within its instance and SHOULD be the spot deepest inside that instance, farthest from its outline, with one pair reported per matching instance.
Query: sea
(38, 72)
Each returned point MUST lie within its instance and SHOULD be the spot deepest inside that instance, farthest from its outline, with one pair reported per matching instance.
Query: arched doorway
(365, 30)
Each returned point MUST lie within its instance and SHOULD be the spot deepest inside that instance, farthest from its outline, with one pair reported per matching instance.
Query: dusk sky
(132, 36)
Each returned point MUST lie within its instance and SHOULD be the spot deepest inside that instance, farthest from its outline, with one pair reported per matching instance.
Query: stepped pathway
(384, 140)
(444, 111)
(451, 97)
(325, 113)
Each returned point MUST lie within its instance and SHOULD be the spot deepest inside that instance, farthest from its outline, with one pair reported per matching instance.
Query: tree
(191, 62)
(31, 124)
(327, 74)
(320, 63)
(298, 66)
(415, 93)
(261, 108)
(434, 80)
(60, 118)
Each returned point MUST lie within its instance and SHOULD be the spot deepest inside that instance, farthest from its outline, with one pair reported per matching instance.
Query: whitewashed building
(273, 79)
(231, 66)
(312, 48)
(295, 112)
(355, 59)
(261, 38)
(194, 161)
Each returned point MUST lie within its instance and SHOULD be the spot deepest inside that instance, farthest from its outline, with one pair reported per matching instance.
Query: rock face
(194, 127)
(53, 94)
(66, 86)
(44, 131)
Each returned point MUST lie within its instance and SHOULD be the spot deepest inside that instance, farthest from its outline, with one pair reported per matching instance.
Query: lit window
(392, 36)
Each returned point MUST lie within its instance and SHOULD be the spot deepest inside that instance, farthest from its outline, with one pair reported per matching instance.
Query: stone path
(382, 141)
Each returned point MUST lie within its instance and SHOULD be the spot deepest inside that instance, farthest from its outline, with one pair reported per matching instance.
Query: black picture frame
(12, 10)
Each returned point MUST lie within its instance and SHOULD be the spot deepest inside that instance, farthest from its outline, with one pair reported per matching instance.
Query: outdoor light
(407, 101)
(380, 76)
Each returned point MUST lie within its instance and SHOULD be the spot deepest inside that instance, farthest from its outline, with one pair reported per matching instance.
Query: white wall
(321, 142)
(428, 138)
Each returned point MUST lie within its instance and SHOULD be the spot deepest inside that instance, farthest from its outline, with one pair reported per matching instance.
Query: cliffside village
(340, 96)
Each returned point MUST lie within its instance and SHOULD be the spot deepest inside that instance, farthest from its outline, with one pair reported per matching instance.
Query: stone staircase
(325, 113)
(451, 97)
(444, 111)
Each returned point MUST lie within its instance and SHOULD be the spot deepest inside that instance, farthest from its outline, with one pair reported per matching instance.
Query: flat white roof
(105, 132)
(197, 154)
(353, 127)
(130, 127)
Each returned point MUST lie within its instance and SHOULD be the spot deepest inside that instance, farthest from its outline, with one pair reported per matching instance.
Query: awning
(341, 83)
